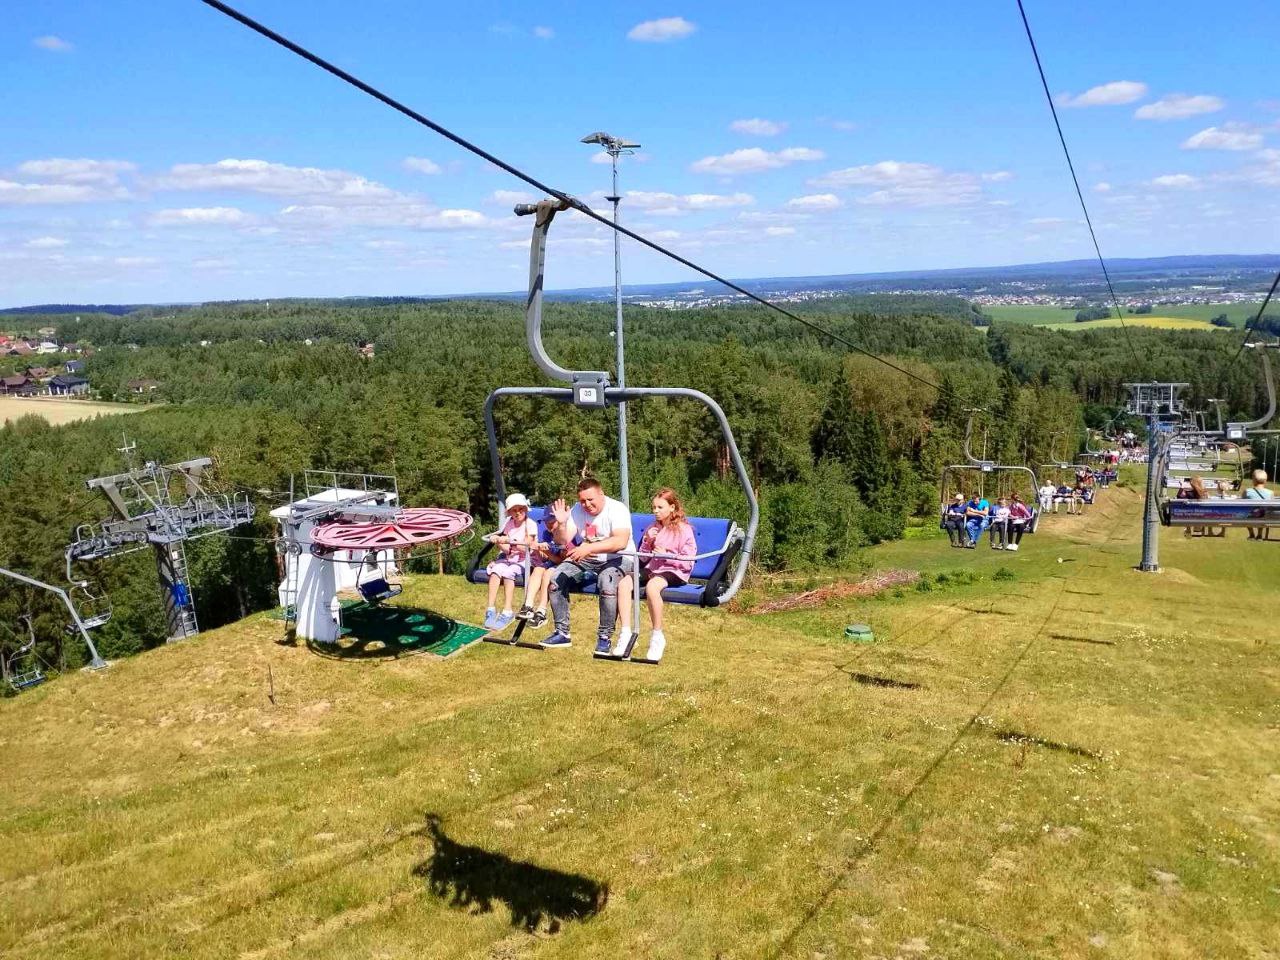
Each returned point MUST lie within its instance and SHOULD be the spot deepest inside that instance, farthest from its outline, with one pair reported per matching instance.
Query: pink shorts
(506, 569)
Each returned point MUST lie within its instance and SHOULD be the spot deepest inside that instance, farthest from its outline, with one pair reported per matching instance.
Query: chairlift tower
(1159, 404)
(160, 506)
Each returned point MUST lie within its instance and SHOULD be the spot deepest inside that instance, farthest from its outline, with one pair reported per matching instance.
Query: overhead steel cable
(560, 195)
(1076, 180)
(1250, 327)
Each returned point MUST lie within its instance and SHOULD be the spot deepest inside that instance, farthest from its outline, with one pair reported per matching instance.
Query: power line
(1250, 327)
(573, 202)
(1076, 180)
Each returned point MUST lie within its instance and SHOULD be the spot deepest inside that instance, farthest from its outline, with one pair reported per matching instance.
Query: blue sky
(164, 152)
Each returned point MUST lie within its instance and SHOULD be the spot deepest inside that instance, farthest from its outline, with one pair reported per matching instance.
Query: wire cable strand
(1076, 180)
(1250, 327)
(573, 202)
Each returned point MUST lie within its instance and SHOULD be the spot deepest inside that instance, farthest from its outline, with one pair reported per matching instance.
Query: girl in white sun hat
(513, 541)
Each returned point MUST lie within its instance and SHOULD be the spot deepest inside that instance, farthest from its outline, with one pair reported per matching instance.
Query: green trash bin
(859, 633)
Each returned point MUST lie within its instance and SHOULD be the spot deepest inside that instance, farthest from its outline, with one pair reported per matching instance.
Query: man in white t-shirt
(604, 526)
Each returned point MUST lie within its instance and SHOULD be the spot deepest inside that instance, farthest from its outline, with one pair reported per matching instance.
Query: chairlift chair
(989, 467)
(1216, 511)
(33, 675)
(724, 548)
(374, 581)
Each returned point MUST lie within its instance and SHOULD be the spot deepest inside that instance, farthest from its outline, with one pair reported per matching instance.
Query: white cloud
(779, 231)
(421, 165)
(1179, 181)
(906, 184)
(757, 127)
(1045, 221)
(544, 33)
(844, 126)
(1102, 187)
(418, 216)
(46, 243)
(277, 179)
(80, 172)
(31, 194)
(1230, 136)
(53, 44)
(509, 198)
(661, 31)
(1106, 95)
(754, 160)
(201, 216)
(135, 261)
(815, 201)
(1266, 173)
(1177, 106)
(998, 176)
(603, 158)
(668, 204)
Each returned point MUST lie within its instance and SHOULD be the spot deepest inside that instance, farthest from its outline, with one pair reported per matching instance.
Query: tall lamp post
(616, 147)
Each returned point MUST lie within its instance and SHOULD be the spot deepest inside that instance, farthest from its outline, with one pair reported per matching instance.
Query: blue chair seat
(375, 591)
(706, 580)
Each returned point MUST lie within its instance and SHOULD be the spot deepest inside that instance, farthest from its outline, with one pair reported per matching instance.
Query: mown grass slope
(1077, 762)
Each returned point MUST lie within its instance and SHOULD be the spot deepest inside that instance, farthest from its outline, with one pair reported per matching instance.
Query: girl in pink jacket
(670, 536)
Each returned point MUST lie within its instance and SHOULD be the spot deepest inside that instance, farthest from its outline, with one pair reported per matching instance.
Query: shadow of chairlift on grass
(378, 632)
(475, 879)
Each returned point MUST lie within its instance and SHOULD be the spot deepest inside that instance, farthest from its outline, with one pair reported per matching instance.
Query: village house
(39, 374)
(143, 386)
(67, 385)
(13, 384)
(74, 366)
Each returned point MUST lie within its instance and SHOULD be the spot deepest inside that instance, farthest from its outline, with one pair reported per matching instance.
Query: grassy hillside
(1075, 762)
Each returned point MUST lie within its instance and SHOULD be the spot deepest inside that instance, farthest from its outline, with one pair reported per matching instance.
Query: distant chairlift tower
(161, 506)
(1160, 405)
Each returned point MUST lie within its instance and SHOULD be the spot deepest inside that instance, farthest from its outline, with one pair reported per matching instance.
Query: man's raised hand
(560, 511)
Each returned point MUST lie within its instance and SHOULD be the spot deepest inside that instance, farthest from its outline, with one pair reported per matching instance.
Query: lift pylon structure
(161, 506)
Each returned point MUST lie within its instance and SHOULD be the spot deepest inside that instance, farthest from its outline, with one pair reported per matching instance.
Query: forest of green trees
(844, 451)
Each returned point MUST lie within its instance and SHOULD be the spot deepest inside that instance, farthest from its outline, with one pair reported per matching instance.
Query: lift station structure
(161, 506)
(341, 526)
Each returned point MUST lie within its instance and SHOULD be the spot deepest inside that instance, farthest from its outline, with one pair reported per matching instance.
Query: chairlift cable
(571, 201)
(1076, 180)
(1250, 327)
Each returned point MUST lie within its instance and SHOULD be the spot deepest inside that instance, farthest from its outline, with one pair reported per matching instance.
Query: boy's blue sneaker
(490, 618)
(503, 620)
(556, 641)
(603, 645)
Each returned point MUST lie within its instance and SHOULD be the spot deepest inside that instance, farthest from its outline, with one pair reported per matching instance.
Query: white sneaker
(625, 639)
(657, 644)
(1012, 546)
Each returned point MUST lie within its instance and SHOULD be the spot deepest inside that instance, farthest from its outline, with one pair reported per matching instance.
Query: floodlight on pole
(616, 147)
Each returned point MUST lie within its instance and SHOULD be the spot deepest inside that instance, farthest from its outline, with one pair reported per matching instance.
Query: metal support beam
(95, 661)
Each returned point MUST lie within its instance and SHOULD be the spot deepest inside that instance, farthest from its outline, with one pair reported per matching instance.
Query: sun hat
(517, 500)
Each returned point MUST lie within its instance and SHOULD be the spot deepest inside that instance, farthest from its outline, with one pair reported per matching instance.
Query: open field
(1160, 323)
(1075, 760)
(58, 411)
(1237, 313)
